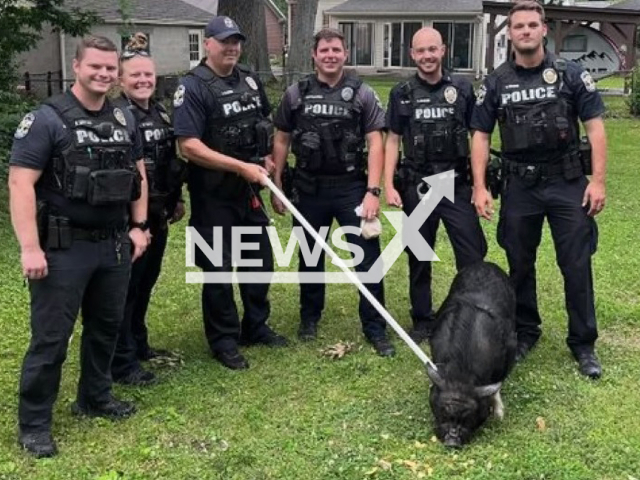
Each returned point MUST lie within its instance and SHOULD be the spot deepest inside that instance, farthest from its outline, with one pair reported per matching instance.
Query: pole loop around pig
(351, 276)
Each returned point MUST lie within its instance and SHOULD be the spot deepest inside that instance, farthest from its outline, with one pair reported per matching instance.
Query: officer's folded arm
(194, 150)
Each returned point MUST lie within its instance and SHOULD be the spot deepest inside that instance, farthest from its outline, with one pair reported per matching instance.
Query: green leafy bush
(13, 107)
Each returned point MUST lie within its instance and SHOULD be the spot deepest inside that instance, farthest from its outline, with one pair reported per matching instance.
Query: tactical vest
(96, 167)
(437, 138)
(238, 129)
(328, 136)
(537, 122)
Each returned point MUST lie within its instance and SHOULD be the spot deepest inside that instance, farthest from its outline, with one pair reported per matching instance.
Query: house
(276, 22)
(378, 32)
(175, 29)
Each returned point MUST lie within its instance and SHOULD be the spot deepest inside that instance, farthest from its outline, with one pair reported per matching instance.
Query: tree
(250, 17)
(21, 24)
(303, 18)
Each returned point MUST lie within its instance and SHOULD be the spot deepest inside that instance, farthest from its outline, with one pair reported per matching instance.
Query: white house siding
(169, 46)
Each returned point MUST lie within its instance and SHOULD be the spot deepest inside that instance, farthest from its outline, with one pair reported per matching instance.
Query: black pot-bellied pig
(473, 346)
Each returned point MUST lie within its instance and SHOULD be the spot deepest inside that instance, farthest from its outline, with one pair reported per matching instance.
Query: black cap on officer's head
(221, 28)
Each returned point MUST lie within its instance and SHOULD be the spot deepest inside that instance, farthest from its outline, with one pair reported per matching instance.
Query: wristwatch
(375, 191)
(144, 225)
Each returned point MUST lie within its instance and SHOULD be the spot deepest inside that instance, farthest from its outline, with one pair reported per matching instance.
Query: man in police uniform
(430, 114)
(326, 118)
(537, 100)
(75, 167)
(220, 120)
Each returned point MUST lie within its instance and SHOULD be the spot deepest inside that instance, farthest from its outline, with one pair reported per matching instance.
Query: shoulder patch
(24, 126)
(481, 94)
(178, 96)
(587, 79)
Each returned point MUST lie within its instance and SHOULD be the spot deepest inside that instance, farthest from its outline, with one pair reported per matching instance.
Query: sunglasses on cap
(127, 54)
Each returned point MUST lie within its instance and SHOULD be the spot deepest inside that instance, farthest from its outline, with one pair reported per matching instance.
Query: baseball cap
(221, 28)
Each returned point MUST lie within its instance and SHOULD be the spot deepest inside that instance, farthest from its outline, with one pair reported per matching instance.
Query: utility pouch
(107, 187)
(65, 238)
(529, 174)
(53, 234)
(77, 182)
(585, 155)
(572, 166)
(42, 218)
(264, 137)
(494, 176)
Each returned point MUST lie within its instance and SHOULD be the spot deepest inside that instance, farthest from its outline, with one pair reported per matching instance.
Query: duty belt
(541, 169)
(95, 235)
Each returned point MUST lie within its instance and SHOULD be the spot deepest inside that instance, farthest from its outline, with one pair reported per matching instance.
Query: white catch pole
(351, 275)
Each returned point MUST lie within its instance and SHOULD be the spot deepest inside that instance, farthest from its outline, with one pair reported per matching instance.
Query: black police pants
(466, 236)
(87, 276)
(133, 339)
(574, 235)
(338, 201)
(220, 315)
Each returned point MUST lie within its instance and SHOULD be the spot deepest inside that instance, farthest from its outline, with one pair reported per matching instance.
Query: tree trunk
(303, 18)
(250, 17)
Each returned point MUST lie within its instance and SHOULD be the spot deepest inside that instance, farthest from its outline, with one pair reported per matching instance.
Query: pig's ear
(435, 376)
(487, 390)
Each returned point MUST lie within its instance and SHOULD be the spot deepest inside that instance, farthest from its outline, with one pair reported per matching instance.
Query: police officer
(327, 118)
(537, 100)
(164, 178)
(221, 121)
(430, 114)
(74, 171)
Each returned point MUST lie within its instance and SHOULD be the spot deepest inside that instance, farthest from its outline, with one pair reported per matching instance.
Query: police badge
(587, 79)
(252, 83)
(347, 94)
(450, 95)
(25, 126)
(550, 76)
(165, 117)
(178, 96)
(120, 117)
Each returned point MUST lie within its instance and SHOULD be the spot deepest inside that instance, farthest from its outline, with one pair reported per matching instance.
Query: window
(359, 39)
(195, 47)
(458, 37)
(575, 43)
(397, 43)
(124, 39)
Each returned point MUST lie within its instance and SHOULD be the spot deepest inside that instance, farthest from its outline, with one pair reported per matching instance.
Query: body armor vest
(95, 169)
(239, 130)
(537, 122)
(328, 136)
(165, 172)
(437, 138)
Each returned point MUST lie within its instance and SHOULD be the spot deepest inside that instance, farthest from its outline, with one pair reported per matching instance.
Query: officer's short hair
(97, 42)
(526, 6)
(328, 34)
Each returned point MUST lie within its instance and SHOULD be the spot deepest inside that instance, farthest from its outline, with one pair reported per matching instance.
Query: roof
(274, 8)
(145, 11)
(210, 6)
(627, 5)
(407, 6)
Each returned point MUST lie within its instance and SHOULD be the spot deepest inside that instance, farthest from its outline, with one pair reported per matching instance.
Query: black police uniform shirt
(399, 109)
(577, 86)
(193, 103)
(366, 99)
(42, 133)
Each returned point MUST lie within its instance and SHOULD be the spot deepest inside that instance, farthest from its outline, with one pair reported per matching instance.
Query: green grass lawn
(297, 415)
